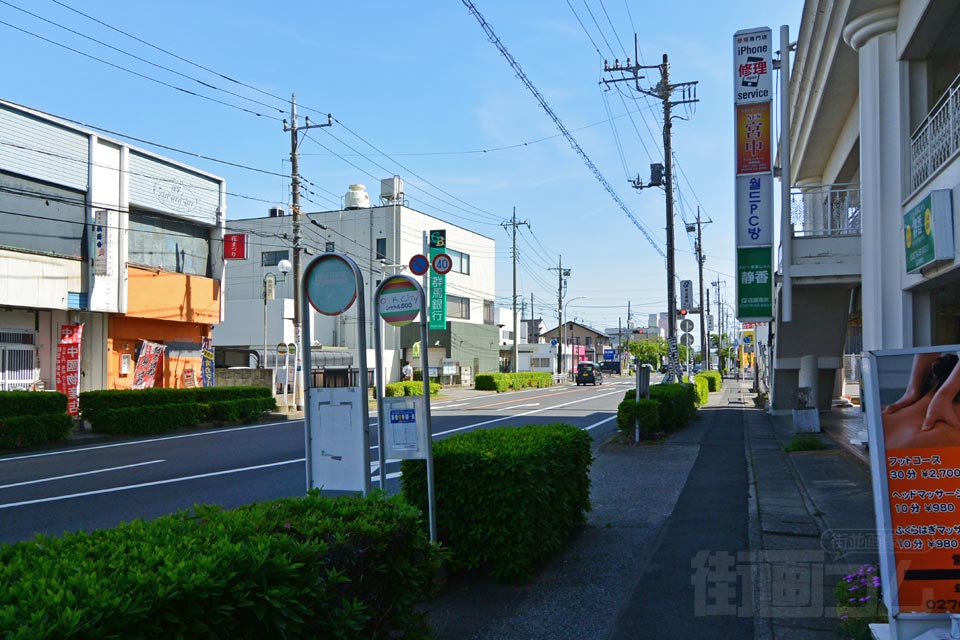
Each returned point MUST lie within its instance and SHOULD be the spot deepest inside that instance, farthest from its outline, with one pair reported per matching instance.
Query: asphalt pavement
(715, 532)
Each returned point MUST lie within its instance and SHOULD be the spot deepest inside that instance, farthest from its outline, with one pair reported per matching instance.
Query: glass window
(488, 312)
(458, 307)
(273, 258)
(381, 248)
(461, 261)
(157, 241)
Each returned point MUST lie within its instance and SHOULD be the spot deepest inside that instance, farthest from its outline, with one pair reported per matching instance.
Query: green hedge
(507, 498)
(31, 403)
(713, 378)
(500, 382)
(222, 394)
(30, 431)
(646, 412)
(240, 410)
(677, 403)
(411, 388)
(160, 418)
(702, 386)
(308, 567)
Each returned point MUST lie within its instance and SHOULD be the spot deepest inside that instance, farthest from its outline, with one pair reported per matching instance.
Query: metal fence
(825, 210)
(937, 138)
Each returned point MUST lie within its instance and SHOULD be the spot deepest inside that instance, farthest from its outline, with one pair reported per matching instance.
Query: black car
(589, 372)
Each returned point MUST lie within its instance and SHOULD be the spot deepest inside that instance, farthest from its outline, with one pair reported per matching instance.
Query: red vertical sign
(146, 371)
(235, 246)
(68, 365)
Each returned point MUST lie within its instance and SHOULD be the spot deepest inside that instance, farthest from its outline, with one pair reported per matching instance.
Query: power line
(492, 36)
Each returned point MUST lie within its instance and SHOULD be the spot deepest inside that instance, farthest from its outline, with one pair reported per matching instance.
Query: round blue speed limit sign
(442, 263)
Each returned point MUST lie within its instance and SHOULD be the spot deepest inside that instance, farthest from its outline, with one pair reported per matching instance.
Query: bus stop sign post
(337, 430)
(404, 429)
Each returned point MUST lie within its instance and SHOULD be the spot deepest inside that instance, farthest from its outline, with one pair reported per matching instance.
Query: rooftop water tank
(356, 198)
(391, 189)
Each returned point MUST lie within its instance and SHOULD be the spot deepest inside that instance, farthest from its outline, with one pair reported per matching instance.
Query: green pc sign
(437, 303)
(928, 231)
(754, 284)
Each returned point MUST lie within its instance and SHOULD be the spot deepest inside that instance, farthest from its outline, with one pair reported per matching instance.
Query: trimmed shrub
(159, 418)
(222, 394)
(93, 403)
(31, 403)
(308, 567)
(240, 410)
(30, 431)
(677, 404)
(411, 388)
(646, 412)
(702, 388)
(714, 379)
(507, 498)
(500, 382)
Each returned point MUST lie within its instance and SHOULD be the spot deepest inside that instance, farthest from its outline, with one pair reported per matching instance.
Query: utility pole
(704, 347)
(629, 314)
(561, 274)
(707, 319)
(516, 331)
(663, 91)
(297, 232)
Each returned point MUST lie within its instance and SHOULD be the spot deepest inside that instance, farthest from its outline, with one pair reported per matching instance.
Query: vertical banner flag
(145, 373)
(68, 365)
(437, 303)
(753, 95)
(206, 363)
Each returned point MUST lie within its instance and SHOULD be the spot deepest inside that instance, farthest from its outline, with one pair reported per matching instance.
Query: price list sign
(911, 407)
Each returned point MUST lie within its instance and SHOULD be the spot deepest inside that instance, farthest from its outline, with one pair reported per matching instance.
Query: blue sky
(421, 83)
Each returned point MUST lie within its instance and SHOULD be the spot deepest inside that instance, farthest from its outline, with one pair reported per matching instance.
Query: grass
(805, 442)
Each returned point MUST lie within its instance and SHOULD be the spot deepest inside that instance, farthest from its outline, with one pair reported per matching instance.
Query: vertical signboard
(234, 246)
(438, 284)
(753, 95)
(103, 238)
(68, 365)
(206, 363)
(915, 444)
(145, 373)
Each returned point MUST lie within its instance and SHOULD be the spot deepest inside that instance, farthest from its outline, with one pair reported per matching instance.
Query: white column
(873, 36)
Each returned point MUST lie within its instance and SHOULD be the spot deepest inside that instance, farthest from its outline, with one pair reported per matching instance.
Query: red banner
(146, 372)
(234, 246)
(68, 365)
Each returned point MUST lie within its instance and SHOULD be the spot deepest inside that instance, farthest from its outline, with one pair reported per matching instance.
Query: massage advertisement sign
(915, 453)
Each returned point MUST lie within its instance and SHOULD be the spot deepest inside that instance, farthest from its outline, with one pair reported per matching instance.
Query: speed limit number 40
(442, 263)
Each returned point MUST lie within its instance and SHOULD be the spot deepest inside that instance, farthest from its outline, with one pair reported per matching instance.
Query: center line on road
(76, 475)
(149, 484)
(519, 406)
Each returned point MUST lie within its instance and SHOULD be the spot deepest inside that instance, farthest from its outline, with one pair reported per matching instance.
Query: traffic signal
(682, 313)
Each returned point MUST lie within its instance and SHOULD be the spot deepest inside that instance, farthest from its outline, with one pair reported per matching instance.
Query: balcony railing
(825, 210)
(937, 139)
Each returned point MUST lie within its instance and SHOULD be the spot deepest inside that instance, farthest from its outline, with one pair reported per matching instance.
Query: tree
(649, 351)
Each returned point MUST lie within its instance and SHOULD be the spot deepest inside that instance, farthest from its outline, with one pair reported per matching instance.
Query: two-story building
(96, 232)
(581, 341)
(382, 240)
(874, 102)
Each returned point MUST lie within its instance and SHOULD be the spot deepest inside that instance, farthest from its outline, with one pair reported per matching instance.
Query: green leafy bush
(160, 418)
(805, 442)
(240, 410)
(93, 403)
(308, 567)
(677, 404)
(30, 431)
(411, 388)
(507, 498)
(222, 394)
(702, 388)
(500, 382)
(713, 378)
(31, 403)
(645, 412)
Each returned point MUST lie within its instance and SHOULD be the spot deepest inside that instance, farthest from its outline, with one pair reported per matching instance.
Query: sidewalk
(629, 574)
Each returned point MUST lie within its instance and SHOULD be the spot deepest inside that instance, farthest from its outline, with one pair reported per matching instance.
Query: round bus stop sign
(399, 302)
(331, 284)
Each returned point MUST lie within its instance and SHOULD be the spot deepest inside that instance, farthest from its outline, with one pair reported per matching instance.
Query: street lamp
(563, 334)
(269, 292)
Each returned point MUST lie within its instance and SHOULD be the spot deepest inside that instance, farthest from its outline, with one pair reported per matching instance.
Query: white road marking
(149, 484)
(520, 406)
(75, 475)
(597, 424)
(449, 406)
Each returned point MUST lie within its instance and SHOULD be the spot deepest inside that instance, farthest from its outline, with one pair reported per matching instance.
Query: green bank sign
(437, 302)
(755, 284)
(928, 231)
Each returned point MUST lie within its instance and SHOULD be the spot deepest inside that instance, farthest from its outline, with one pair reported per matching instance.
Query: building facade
(96, 232)
(381, 240)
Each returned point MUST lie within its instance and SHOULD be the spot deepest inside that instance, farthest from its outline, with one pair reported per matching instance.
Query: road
(102, 484)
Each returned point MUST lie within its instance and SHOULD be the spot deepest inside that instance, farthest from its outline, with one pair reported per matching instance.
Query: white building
(875, 102)
(382, 240)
